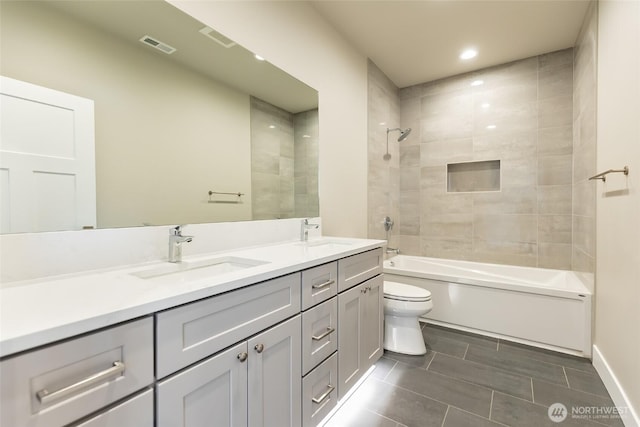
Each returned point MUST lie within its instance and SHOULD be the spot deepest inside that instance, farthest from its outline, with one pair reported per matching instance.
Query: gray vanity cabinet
(255, 383)
(360, 331)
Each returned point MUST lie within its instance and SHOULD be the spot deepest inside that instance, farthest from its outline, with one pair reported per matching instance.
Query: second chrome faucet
(176, 239)
(304, 229)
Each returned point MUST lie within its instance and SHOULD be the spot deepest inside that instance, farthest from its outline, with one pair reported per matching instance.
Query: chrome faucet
(393, 250)
(304, 229)
(175, 243)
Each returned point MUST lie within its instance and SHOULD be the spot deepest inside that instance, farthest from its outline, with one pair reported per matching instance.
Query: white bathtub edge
(630, 418)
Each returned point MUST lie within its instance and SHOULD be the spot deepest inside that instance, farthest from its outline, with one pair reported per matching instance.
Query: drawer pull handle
(323, 284)
(324, 395)
(319, 337)
(242, 356)
(45, 396)
(259, 348)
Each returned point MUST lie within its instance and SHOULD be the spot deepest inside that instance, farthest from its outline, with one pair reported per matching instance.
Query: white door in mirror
(47, 159)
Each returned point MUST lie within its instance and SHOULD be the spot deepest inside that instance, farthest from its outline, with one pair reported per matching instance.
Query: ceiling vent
(217, 37)
(157, 44)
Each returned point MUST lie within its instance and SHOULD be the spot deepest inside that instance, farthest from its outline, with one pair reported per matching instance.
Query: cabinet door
(275, 371)
(373, 322)
(350, 315)
(213, 392)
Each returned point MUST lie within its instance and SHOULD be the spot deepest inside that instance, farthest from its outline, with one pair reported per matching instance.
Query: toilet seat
(401, 292)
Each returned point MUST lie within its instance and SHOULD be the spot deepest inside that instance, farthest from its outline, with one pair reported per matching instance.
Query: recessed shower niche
(473, 176)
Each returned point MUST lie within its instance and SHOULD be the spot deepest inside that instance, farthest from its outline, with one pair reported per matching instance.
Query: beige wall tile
(409, 179)
(556, 80)
(554, 255)
(452, 226)
(554, 199)
(410, 245)
(505, 228)
(521, 200)
(438, 153)
(409, 155)
(445, 203)
(508, 118)
(555, 141)
(584, 234)
(555, 170)
(502, 252)
(554, 229)
(447, 248)
(584, 198)
(519, 172)
(500, 145)
(556, 111)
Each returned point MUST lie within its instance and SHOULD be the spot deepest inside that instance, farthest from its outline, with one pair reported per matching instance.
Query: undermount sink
(195, 270)
(325, 243)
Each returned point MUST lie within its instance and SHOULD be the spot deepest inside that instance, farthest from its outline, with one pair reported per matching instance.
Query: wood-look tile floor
(469, 380)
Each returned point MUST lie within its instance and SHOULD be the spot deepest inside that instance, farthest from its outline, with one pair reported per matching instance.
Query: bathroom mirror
(206, 133)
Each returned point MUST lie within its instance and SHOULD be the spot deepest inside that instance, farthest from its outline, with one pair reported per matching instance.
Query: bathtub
(540, 307)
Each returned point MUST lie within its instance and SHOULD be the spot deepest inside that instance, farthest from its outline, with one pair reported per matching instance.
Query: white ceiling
(419, 41)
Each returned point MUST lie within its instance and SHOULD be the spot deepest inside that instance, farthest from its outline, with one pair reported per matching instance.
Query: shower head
(404, 133)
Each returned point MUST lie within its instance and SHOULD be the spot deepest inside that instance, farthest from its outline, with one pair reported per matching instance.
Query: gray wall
(584, 142)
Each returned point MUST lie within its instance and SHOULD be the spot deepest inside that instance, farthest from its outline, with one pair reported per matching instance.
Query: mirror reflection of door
(47, 159)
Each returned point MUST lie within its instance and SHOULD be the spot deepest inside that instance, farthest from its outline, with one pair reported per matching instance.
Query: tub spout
(393, 251)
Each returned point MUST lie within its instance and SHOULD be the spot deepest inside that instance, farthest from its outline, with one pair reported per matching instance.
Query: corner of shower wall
(584, 154)
(383, 176)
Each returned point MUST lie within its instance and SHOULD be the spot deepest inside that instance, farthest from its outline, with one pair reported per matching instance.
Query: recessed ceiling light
(486, 105)
(477, 82)
(491, 127)
(258, 57)
(468, 54)
(272, 127)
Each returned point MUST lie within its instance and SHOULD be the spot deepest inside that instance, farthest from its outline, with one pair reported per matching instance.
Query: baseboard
(630, 417)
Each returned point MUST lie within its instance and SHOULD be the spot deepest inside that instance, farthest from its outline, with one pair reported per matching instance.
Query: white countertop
(37, 312)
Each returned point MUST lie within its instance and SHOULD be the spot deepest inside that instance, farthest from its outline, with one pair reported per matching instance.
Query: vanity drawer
(358, 268)
(319, 284)
(194, 331)
(319, 392)
(319, 333)
(135, 412)
(63, 382)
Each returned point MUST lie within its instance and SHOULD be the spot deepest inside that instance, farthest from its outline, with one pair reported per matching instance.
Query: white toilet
(403, 304)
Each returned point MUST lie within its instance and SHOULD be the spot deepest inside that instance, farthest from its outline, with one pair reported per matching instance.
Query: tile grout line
(382, 416)
(392, 368)
(491, 404)
(445, 416)
(430, 361)
(533, 397)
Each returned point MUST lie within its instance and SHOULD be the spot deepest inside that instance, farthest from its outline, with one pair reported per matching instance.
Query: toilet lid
(400, 291)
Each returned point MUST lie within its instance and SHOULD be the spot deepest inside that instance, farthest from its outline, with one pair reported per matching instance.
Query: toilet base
(403, 335)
